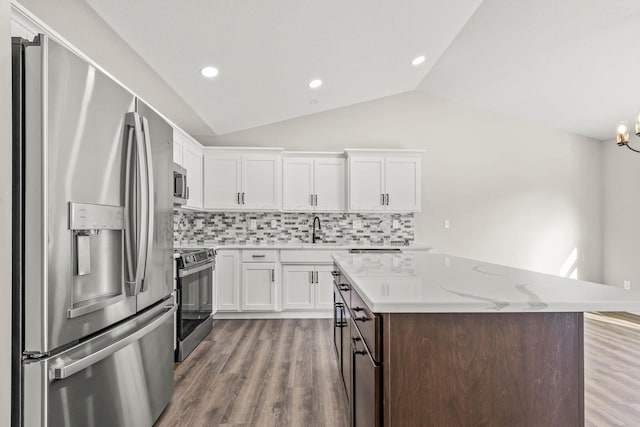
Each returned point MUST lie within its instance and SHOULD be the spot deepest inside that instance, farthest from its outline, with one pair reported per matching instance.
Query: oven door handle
(186, 272)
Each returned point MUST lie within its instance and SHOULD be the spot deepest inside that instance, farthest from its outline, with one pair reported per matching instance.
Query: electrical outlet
(357, 224)
(274, 223)
(395, 223)
(253, 224)
(627, 284)
(446, 224)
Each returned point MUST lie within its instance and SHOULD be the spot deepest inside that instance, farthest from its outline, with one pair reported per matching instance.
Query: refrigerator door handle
(150, 201)
(128, 235)
(134, 281)
(65, 370)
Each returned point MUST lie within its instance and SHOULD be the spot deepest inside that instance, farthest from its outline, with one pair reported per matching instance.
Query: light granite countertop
(424, 282)
(316, 246)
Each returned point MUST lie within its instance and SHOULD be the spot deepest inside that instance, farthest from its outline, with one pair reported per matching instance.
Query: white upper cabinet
(314, 184)
(384, 180)
(261, 181)
(177, 150)
(223, 181)
(188, 153)
(242, 179)
(298, 184)
(366, 183)
(402, 184)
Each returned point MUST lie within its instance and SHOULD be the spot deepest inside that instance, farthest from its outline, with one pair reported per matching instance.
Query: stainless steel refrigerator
(92, 239)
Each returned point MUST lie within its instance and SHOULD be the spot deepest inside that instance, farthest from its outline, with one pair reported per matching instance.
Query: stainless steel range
(196, 299)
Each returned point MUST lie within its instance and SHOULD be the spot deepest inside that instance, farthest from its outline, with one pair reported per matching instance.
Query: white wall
(5, 215)
(77, 22)
(515, 193)
(621, 216)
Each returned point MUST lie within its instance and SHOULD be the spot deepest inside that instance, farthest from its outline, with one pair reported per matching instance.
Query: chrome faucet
(313, 236)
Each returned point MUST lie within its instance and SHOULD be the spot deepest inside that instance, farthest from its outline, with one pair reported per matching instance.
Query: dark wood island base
(483, 369)
(513, 369)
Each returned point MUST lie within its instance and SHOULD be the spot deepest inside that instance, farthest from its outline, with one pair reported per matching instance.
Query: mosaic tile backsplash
(206, 228)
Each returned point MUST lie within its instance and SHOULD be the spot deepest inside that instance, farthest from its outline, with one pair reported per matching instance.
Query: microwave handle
(185, 188)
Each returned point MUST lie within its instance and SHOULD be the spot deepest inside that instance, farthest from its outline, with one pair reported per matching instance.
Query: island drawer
(342, 285)
(368, 323)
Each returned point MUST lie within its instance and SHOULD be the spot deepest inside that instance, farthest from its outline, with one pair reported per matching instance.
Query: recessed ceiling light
(315, 84)
(418, 60)
(209, 71)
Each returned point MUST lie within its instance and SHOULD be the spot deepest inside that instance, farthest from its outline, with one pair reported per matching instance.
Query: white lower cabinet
(258, 286)
(228, 280)
(253, 280)
(324, 287)
(307, 287)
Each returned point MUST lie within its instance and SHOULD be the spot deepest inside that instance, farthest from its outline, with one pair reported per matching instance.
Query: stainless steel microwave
(180, 188)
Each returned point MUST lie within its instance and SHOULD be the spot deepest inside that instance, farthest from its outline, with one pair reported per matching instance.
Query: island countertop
(421, 282)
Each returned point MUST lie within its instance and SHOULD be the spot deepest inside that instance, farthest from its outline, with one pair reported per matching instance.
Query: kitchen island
(437, 340)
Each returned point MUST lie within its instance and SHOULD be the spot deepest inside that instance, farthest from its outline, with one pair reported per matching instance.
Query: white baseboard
(279, 315)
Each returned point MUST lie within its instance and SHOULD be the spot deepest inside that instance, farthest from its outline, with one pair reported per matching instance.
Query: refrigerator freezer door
(158, 279)
(74, 146)
(121, 378)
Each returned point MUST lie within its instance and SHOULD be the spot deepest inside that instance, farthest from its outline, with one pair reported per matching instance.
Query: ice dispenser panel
(97, 233)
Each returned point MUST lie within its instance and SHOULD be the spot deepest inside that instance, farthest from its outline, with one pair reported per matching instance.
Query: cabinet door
(330, 188)
(177, 151)
(258, 286)
(228, 280)
(298, 184)
(366, 183)
(222, 181)
(214, 295)
(297, 289)
(262, 181)
(192, 162)
(403, 184)
(323, 296)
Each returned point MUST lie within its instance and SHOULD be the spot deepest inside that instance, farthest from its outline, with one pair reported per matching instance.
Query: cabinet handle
(273, 275)
(344, 288)
(243, 198)
(311, 277)
(335, 273)
(382, 197)
(258, 256)
(311, 199)
(187, 192)
(238, 197)
(387, 199)
(355, 341)
(316, 200)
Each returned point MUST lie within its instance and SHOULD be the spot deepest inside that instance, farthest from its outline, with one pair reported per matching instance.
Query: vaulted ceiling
(568, 64)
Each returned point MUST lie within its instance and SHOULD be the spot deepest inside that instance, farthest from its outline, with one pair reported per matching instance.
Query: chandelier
(622, 134)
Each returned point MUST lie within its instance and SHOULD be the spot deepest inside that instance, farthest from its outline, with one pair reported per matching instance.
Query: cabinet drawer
(255, 255)
(308, 256)
(367, 323)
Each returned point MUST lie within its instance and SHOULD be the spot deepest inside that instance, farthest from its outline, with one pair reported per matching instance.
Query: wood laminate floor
(283, 373)
(260, 373)
(612, 371)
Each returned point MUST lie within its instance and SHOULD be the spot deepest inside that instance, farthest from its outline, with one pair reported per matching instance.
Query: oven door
(195, 296)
